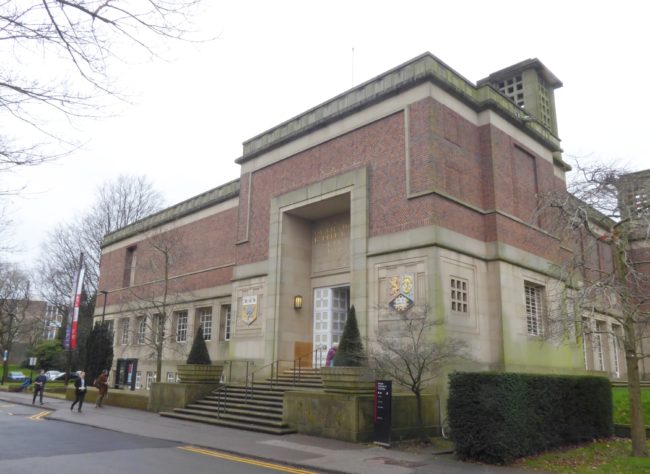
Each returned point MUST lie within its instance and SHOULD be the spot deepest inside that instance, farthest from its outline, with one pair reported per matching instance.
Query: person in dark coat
(39, 386)
(80, 390)
(102, 385)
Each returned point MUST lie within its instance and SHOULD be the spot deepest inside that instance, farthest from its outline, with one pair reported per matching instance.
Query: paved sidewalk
(307, 452)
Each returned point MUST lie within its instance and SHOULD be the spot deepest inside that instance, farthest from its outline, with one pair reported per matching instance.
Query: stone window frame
(534, 306)
(204, 319)
(181, 318)
(459, 295)
(225, 317)
(124, 339)
(141, 334)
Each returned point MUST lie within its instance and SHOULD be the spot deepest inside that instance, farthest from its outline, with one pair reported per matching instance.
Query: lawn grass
(622, 405)
(604, 456)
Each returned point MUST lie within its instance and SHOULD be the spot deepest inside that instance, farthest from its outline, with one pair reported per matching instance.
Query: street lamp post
(105, 293)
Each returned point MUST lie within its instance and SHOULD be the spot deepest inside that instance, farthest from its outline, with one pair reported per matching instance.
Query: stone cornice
(175, 212)
(424, 68)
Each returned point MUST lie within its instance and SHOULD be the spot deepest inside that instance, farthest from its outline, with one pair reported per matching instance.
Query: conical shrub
(199, 353)
(350, 352)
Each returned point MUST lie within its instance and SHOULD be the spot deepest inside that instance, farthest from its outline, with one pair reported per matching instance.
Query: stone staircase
(257, 408)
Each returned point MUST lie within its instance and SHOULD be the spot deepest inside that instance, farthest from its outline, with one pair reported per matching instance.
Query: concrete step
(262, 412)
(257, 408)
(241, 418)
(257, 396)
(230, 413)
(272, 407)
(282, 430)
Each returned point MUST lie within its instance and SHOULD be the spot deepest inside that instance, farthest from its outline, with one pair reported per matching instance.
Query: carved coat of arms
(249, 309)
(401, 295)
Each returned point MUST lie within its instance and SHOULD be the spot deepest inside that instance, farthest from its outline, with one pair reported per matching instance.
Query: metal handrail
(222, 392)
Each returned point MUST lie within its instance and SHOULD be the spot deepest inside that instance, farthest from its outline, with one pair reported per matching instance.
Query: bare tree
(156, 301)
(604, 219)
(411, 352)
(118, 203)
(14, 302)
(59, 59)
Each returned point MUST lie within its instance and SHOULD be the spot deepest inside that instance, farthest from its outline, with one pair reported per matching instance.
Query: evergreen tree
(350, 352)
(99, 351)
(199, 353)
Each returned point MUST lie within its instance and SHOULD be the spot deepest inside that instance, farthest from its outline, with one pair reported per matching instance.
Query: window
(171, 377)
(181, 326)
(151, 378)
(138, 380)
(225, 324)
(129, 266)
(533, 309)
(142, 330)
(598, 346)
(459, 298)
(125, 332)
(616, 334)
(205, 321)
(158, 327)
(110, 326)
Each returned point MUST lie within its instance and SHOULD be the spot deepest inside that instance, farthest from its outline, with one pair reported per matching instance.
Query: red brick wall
(196, 247)
(481, 166)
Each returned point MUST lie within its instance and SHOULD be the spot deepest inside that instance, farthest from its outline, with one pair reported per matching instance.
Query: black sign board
(383, 397)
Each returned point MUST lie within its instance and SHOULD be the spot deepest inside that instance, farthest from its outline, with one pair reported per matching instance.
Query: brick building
(414, 191)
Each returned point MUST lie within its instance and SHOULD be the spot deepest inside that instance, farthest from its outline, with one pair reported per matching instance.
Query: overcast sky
(274, 60)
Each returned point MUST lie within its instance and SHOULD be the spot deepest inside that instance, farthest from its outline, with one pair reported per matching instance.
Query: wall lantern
(297, 302)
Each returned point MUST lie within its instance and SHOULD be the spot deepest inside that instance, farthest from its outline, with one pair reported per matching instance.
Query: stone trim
(424, 68)
(175, 212)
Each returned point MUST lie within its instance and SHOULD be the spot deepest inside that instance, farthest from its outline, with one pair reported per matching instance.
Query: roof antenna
(352, 66)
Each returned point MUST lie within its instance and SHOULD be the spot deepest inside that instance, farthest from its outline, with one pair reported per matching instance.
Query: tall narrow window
(125, 332)
(533, 309)
(158, 327)
(586, 332)
(110, 327)
(459, 295)
(204, 320)
(151, 378)
(142, 330)
(129, 266)
(181, 326)
(615, 350)
(225, 324)
(598, 347)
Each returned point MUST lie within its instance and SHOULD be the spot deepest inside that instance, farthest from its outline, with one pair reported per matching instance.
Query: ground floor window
(181, 326)
(204, 318)
(171, 377)
(151, 378)
(138, 380)
(225, 324)
(533, 295)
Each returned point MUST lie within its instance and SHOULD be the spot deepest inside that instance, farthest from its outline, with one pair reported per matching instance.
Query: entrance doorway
(330, 312)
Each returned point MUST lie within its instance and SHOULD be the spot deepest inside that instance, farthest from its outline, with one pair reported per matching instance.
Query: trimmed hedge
(497, 418)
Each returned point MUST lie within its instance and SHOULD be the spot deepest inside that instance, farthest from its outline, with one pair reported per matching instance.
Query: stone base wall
(351, 417)
(167, 396)
(116, 398)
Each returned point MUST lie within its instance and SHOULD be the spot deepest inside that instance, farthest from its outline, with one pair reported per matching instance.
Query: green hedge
(497, 418)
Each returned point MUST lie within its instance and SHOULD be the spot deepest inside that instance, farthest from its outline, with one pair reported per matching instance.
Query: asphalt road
(31, 443)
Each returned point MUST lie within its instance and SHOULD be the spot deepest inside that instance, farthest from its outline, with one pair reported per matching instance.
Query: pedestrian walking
(80, 390)
(102, 385)
(39, 386)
